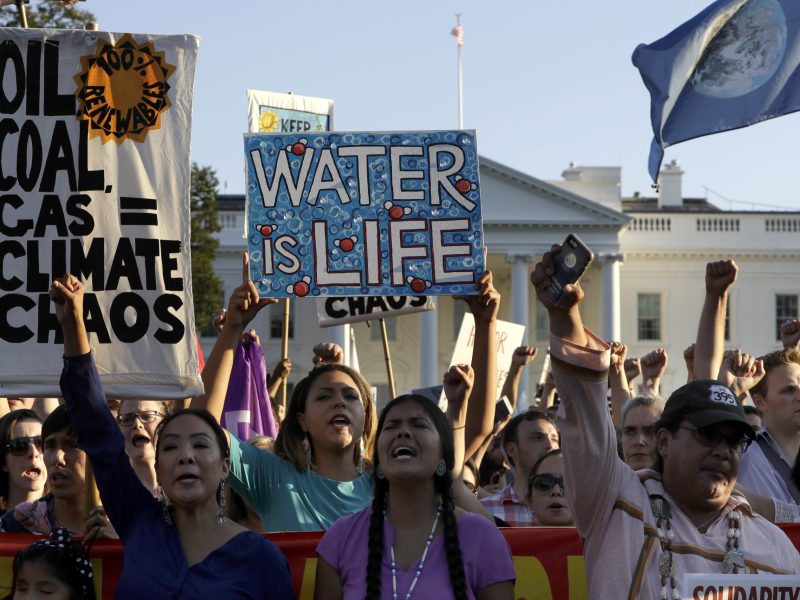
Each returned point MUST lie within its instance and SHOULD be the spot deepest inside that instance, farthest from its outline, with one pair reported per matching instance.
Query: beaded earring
(441, 467)
(221, 502)
(310, 466)
(162, 501)
(378, 472)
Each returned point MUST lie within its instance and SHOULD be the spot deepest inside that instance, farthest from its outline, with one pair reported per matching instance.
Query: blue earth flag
(730, 66)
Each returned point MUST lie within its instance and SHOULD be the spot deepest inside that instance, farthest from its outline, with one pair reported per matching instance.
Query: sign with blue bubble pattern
(364, 213)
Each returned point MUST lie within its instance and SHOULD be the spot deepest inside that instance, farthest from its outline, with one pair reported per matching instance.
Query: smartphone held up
(569, 265)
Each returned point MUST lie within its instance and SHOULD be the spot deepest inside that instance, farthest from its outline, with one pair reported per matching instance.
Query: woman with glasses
(138, 420)
(546, 491)
(22, 471)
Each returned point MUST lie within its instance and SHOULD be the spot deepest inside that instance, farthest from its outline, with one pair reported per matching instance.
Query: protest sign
(270, 112)
(761, 586)
(364, 214)
(509, 337)
(335, 310)
(87, 120)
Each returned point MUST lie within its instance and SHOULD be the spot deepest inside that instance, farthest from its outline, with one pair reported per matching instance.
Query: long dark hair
(7, 424)
(442, 485)
(289, 443)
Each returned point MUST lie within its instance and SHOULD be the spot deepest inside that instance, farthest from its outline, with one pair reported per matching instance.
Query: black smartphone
(570, 264)
(502, 409)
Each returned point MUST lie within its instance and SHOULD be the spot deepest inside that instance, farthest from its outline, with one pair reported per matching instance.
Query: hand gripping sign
(364, 214)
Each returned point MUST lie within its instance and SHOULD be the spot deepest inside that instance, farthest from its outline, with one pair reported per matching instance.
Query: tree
(47, 13)
(206, 286)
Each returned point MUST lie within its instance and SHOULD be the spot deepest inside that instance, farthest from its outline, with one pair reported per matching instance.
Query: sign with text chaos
(509, 337)
(334, 310)
(86, 120)
(364, 214)
(271, 112)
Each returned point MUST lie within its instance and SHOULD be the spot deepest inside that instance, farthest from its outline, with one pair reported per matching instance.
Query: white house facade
(645, 286)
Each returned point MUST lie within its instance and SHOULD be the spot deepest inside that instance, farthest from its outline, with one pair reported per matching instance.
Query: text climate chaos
(368, 213)
(85, 118)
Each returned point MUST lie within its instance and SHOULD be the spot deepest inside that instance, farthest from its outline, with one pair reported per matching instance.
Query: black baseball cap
(705, 402)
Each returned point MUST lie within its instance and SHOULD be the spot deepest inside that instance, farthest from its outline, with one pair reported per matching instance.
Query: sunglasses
(546, 482)
(19, 446)
(145, 416)
(710, 437)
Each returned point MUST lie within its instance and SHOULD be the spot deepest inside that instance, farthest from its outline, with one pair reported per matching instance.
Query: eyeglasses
(710, 437)
(145, 416)
(545, 482)
(19, 446)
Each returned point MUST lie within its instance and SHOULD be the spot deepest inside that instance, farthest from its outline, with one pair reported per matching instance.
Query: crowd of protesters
(659, 483)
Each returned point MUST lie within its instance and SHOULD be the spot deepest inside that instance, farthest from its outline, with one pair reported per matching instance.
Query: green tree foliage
(206, 286)
(47, 13)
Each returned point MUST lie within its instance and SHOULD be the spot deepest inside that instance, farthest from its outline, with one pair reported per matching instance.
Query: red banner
(548, 561)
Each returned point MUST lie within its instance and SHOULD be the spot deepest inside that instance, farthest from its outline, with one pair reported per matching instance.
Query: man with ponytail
(412, 542)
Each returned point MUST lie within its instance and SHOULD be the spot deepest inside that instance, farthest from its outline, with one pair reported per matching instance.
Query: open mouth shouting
(403, 453)
(340, 422)
(32, 473)
(140, 440)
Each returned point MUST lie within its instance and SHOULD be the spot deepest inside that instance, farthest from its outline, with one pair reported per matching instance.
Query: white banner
(509, 337)
(94, 180)
(762, 586)
(337, 310)
(271, 112)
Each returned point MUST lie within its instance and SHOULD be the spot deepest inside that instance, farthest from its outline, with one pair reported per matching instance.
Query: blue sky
(545, 83)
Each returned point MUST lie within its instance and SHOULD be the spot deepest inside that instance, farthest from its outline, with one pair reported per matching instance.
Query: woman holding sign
(181, 546)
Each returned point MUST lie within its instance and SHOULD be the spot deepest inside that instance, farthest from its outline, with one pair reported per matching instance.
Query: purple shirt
(485, 552)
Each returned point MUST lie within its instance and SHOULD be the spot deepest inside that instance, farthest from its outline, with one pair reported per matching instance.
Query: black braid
(455, 562)
(375, 541)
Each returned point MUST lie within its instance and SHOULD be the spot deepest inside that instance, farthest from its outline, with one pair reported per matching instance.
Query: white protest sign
(94, 180)
(273, 112)
(709, 586)
(337, 310)
(509, 337)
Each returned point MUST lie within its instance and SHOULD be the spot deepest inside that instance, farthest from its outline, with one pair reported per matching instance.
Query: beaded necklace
(667, 568)
(422, 560)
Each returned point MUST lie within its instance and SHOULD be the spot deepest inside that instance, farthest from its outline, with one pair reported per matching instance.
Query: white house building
(645, 286)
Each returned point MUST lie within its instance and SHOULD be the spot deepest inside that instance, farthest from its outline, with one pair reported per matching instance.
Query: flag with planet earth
(730, 66)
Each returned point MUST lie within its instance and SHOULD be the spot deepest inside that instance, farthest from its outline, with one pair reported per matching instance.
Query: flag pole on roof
(458, 33)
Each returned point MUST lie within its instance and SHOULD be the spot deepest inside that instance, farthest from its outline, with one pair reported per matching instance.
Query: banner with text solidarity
(364, 213)
(548, 562)
(94, 181)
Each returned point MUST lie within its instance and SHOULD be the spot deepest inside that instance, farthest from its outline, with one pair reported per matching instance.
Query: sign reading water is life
(372, 213)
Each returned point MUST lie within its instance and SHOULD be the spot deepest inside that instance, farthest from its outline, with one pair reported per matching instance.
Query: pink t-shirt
(485, 552)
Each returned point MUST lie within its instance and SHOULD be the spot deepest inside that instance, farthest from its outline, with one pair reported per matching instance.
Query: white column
(520, 309)
(611, 318)
(341, 335)
(429, 349)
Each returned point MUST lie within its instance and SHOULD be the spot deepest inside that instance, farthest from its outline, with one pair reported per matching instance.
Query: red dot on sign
(417, 285)
(264, 229)
(298, 148)
(396, 212)
(301, 289)
(463, 186)
(346, 244)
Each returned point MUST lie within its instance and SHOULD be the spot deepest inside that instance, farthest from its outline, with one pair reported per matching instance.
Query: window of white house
(785, 308)
(649, 316)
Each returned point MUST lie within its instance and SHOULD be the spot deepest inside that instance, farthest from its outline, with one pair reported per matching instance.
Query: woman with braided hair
(412, 542)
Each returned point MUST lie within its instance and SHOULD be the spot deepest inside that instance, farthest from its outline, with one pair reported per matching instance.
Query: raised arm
(242, 308)
(620, 391)
(790, 333)
(521, 358)
(653, 366)
(480, 414)
(740, 372)
(720, 276)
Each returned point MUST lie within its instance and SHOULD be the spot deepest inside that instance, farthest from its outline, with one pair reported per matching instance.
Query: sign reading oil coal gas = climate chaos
(364, 214)
(86, 121)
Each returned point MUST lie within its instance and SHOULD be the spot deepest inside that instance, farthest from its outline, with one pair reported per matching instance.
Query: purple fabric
(486, 555)
(247, 411)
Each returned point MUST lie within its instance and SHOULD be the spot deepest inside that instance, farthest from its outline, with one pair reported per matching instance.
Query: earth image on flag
(745, 53)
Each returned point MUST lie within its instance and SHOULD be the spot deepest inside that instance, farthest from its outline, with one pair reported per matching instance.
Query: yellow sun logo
(268, 121)
(122, 89)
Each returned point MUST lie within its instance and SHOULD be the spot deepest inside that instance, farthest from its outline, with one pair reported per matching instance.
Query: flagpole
(460, 86)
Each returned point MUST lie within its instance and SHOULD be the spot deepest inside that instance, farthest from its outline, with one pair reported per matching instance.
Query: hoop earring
(310, 466)
(379, 472)
(221, 502)
(162, 501)
(441, 467)
(360, 467)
